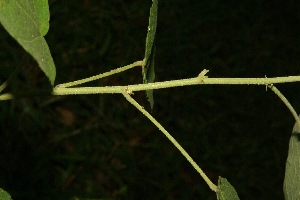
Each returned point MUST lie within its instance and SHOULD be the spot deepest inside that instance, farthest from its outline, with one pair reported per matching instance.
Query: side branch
(6, 96)
(286, 102)
(211, 185)
(99, 76)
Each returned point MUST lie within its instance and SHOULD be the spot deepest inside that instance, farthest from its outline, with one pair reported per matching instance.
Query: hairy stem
(199, 80)
(3, 86)
(286, 102)
(93, 78)
(176, 83)
(170, 137)
(6, 96)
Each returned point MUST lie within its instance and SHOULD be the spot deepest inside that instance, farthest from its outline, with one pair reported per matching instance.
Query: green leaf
(151, 29)
(291, 185)
(43, 15)
(4, 195)
(3, 3)
(148, 68)
(226, 191)
(27, 22)
(150, 76)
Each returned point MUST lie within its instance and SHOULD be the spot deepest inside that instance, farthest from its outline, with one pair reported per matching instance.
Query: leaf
(291, 185)
(148, 68)
(151, 29)
(27, 22)
(4, 195)
(226, 191)
(43, 15)
(3, 3)
(150, 76)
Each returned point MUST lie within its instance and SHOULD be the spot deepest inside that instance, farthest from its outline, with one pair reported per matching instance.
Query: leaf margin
(148, 67)
(15, 13)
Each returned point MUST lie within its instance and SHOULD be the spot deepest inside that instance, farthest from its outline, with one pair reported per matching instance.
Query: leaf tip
(226, 191)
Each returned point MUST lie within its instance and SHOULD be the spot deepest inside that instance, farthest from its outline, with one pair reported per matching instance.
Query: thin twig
(3, 86)
(6, 96)
(99, 76)
(286, 102)
(170, 137)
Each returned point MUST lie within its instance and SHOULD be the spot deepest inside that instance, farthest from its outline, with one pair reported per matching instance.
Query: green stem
(170, 137)
(176, 83)
(199, 80)
(120, 89)
(3, 86)
(6, 96)
(93, 78)
(286, 102)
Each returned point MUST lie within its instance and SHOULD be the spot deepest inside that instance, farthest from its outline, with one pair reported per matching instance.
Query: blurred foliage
(99, 147)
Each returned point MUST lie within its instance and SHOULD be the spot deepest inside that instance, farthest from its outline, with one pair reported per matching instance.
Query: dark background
(101, 147)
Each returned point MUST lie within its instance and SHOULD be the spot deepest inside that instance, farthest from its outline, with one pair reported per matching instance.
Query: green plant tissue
(291, 185)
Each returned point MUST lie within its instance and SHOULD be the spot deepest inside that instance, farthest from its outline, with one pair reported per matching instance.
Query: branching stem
(199, 80)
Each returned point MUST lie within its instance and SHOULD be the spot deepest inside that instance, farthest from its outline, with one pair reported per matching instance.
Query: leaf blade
(151, 30)
(148, 68)
(4, 195)
(291, 185)
(151, 77)
(43, 16)
(27, 22)
(226, 191)
(3, 3)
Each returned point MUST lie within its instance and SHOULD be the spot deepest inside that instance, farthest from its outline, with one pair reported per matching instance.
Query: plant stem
(199, 80)
(286, 102)
(93, 78)
(171, 138)
(3, 86)
(6, 96)
(175, 83)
